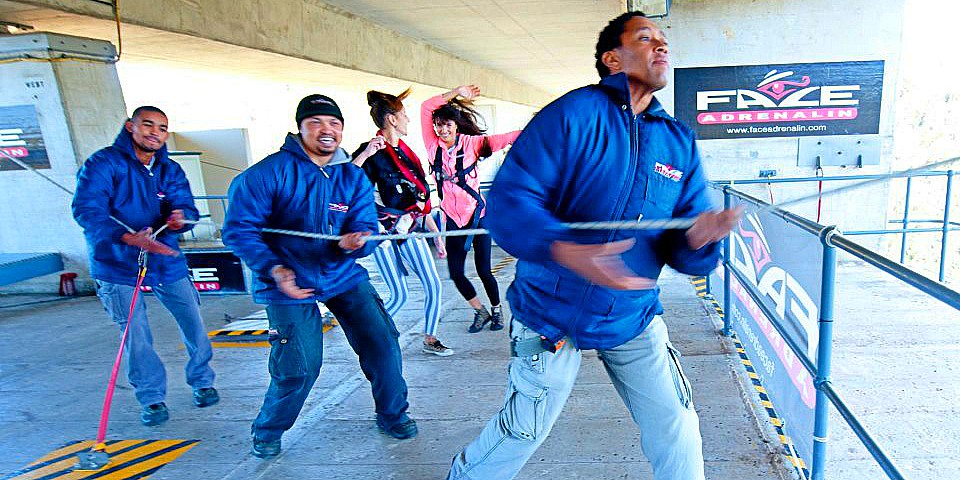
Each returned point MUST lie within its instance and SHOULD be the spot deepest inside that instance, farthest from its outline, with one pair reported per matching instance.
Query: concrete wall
(748, 32)
(199, 100)
(225, 153)
(310, 30)
(80, 109)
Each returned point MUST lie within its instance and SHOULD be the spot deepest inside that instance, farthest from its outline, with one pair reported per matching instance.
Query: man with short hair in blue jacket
(298, 189)
(599, 153)
(133, 183)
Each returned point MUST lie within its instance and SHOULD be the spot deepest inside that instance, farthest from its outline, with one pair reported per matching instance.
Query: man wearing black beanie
(299, 189)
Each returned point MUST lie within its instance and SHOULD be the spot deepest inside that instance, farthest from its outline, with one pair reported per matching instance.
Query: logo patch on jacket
(339, 207)
(668, 171)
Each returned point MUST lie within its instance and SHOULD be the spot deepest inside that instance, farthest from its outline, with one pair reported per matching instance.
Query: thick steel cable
(665, 224)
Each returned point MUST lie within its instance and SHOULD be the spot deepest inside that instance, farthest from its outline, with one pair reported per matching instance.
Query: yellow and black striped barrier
(501, 265)
(249, 338)
(129, 459)
(789, 450)
(700, 285)
(238, 338)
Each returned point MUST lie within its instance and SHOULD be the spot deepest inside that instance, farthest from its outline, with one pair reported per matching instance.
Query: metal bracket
(839, 151)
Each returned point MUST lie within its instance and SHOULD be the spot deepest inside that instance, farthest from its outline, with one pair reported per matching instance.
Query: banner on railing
(790, 100)
(782, 263)
(214, 272)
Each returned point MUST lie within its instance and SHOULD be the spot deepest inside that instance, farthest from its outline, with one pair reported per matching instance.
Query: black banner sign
(214, 272)
(789, 100)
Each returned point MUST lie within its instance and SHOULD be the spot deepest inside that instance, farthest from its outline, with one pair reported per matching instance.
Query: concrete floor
(56, 359)
(896, 362)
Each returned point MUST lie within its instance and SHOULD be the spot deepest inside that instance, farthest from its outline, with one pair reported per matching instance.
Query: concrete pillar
(67, 88)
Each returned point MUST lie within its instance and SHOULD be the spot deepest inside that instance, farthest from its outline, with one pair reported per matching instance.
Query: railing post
(906, 222)
(946, 226)
(824, 353)
(727, 205)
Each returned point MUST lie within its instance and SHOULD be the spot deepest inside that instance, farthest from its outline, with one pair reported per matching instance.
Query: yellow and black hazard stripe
(249, 338)
(129, 459)
(239, 338)
(235, 334)
(789, 450)
(700, 285)
(501, 265)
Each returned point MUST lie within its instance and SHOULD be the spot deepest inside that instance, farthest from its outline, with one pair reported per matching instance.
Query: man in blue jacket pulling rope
(133, 183)
(298, 189)
(601, 152)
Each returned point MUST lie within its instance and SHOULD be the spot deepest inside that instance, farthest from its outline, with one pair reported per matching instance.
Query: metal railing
(946, 224)
(191, 236)
(831, 240)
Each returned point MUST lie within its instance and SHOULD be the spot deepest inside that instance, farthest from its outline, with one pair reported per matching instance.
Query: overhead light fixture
(650, 8)
(11, 28)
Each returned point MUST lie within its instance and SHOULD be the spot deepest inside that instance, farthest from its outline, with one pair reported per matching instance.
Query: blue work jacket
(587, 157)
(287, 191)
(113, 182)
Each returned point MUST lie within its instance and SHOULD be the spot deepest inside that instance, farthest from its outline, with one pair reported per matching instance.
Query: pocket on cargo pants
(523, 412)
(286, 354)
(680, 381)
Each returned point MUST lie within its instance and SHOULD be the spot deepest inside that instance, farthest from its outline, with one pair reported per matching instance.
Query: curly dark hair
(610, 39)
(468, 120)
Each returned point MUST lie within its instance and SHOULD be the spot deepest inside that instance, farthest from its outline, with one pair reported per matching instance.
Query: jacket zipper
(321, 221)
(152, 178)
(621, 204)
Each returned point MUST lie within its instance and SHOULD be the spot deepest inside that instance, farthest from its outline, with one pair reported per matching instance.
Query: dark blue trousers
(296, 355)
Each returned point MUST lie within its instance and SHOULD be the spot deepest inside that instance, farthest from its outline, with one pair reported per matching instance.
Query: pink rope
(108, 398)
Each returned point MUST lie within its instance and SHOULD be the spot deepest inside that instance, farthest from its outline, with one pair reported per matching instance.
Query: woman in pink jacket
(455, 143)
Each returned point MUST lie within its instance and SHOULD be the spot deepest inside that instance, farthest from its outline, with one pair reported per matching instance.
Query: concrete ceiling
(546, 44)
(152, 46)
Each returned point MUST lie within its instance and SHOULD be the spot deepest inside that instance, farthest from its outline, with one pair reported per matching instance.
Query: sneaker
(265, 448)
(437, 348)
(480, 319)
(496, 320)
(153, 415)
(401, 430)
(204, 397)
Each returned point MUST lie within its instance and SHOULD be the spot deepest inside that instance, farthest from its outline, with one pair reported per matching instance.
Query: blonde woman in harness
(403, 206)
(455, 143)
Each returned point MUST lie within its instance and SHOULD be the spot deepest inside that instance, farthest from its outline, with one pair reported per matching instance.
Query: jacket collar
(618, 87)
(124, 143)
(292, 145)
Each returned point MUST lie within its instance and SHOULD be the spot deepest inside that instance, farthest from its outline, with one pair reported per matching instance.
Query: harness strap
(459, 179)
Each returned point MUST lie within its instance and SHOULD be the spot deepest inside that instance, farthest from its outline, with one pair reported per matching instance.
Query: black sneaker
(437, 348)
(265, 448)
(401, 430)
(153, 415)
(480, 319)
(496, 320)
(204, 397)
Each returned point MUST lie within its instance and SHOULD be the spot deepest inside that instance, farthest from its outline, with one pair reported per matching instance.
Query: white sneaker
(437, 349)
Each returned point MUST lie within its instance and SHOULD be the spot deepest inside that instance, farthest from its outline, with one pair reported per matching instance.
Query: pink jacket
(457, 203)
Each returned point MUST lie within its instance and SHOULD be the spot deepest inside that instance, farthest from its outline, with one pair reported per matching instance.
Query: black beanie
(317, 105)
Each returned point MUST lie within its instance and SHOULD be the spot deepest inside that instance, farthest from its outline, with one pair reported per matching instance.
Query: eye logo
(777, 89)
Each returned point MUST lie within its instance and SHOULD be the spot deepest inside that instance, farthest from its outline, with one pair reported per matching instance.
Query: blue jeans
(646, 373)
(144, 368)
(296, 354)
